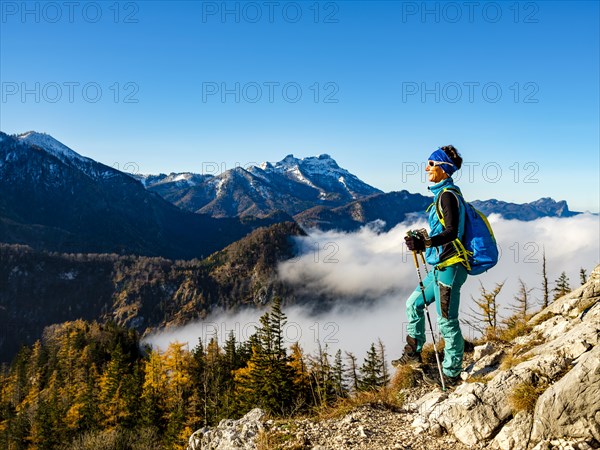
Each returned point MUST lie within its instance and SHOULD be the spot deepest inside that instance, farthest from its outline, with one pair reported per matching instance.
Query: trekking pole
(429, 319)
(437, 357)
(424, 262)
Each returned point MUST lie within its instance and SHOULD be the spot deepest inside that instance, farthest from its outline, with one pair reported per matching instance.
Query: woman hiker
(443, 283)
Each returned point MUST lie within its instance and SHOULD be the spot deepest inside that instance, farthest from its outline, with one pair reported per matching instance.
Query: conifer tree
(385, 376)
(485, 317)
(112, 403)
(353, 372)
(523, 301)
(198, 367)
(339, 384)
(545, 286)
(267, 379)
(213, 381)
(582, 276)
(371, 371)
(154, 391)
(562, 286)
(322, 379)
(301, 377)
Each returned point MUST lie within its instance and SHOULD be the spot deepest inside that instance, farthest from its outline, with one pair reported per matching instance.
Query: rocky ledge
(541, 391)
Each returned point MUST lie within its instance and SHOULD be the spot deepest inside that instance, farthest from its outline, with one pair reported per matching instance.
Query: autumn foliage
(85, 383)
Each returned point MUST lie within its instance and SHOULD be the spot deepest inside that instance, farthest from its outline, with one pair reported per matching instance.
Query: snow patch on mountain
(185, 178)
(218, 184)
(319, 172)
(342, 180)
(51, 145)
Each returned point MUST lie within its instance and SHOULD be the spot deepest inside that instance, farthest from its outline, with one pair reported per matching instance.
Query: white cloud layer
(378, 266)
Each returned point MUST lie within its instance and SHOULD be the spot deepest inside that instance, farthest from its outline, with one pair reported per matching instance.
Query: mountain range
(291, 185)
(55, 199)
(317, 193)
(79, 239)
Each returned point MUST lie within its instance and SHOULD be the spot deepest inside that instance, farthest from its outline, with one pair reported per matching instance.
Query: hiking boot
(469, 347)
(452, 381)
(434, 380)
(410, 355)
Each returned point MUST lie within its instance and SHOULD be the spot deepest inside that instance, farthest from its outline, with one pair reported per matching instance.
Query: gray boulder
(230, 434)
(571, 407)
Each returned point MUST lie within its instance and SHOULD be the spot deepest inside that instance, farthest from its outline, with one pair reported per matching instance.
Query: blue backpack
(477, 250)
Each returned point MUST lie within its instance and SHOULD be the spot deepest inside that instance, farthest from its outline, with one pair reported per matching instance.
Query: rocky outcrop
(230, 434)
(539, 392)
(571, 407)
(550, 395)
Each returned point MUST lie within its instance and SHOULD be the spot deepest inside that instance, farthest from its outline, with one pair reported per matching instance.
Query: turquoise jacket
(432, 254)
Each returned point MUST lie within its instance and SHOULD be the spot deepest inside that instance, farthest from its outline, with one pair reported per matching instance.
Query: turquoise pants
(443, 286)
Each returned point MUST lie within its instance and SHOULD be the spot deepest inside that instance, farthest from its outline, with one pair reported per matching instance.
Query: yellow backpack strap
(440, 213)
(462, 255)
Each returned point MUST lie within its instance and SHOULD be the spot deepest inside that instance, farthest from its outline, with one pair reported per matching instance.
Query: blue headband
(447, 165)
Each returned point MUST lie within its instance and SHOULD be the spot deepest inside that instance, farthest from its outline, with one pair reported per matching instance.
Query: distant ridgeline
(55, 199)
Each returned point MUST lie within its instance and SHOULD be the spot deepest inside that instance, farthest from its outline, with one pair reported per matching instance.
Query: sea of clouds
(377, 265)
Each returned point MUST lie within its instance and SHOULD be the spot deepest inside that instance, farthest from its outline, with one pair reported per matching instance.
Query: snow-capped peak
(290, 164)
(185, 177)
(50, 145)
(286, 164)
(319, 172)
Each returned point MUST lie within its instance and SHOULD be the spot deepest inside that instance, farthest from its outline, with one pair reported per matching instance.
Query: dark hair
(452, 152)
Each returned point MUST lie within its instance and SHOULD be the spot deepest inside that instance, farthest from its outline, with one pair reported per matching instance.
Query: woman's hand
(415, 242)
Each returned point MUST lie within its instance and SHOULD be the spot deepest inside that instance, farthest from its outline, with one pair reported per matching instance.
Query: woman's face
(435, 173)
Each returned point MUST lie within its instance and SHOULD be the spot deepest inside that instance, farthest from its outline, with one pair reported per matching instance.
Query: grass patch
(406, 377)
(523, 396)
(278, 439)
(479, 379)
(520, 349)
(510, 360)
(541, 319)
(428, 354)
(513, 329)
(388, 397)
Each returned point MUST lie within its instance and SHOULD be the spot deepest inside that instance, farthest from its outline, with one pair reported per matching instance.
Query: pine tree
(322, 378)
(338, 375)
(385, 376)
(176, 364)
(485, 318)
(280, 386)
(277, 322)
(353, 373)
(112, 403)
(371, 371)
(545, 288)
(562, 286)
(198, 367)
(582, 276)
(523, 301)
(267, 379)
(232, 360)
(154, 392)
(213, 381)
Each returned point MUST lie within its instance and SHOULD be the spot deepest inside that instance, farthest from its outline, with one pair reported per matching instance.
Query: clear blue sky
(539, 137)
